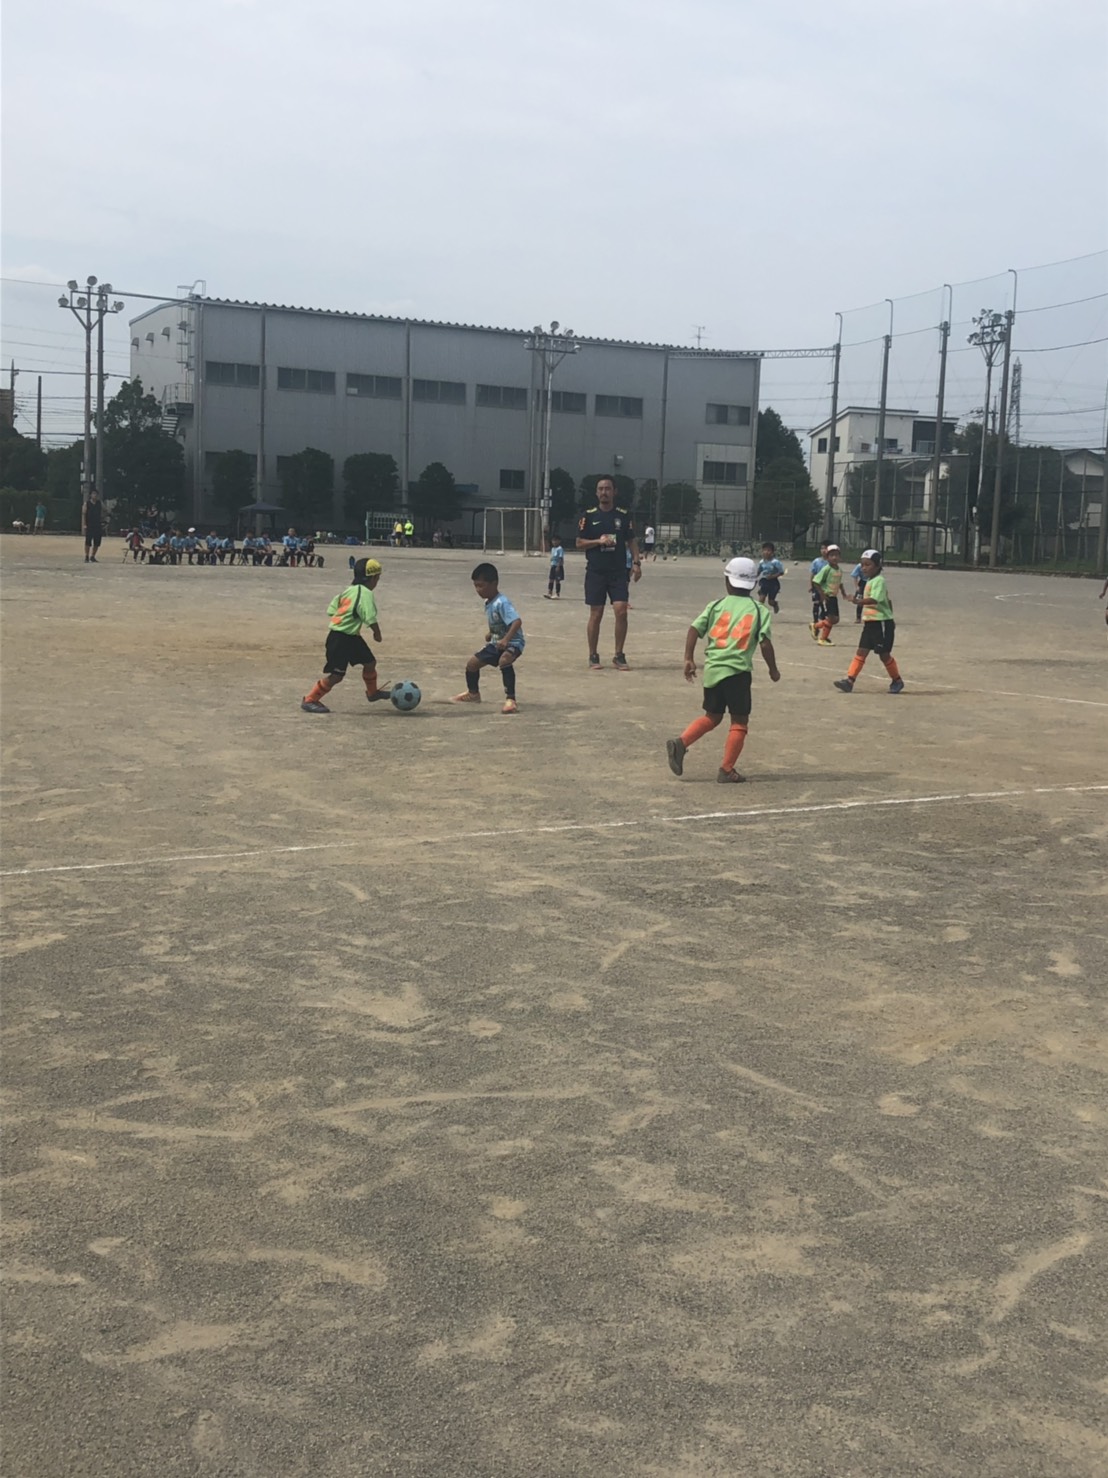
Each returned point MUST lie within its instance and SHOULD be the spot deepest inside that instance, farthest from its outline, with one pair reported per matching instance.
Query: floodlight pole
(879, 466)
(89, 307)
(829, 488)
(989, 336)
(551, 347)
(936, 458)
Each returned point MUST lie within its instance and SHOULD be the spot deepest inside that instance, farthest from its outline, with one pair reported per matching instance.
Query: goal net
(506, 530)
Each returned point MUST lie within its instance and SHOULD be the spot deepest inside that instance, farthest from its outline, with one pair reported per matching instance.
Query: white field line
(569, 826)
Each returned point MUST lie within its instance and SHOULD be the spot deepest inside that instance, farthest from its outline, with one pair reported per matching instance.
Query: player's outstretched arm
(770, 658)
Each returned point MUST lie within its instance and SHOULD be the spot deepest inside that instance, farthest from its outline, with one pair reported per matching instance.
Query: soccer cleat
(380, 696)
(548, 596)
(466, 697)
(844, 684)
(729, 777)
(594, 662)
(314, 707)
(676, 750)
(897, 685)
(814, 629)
(825, 641)
(510, 706)
(620, 663)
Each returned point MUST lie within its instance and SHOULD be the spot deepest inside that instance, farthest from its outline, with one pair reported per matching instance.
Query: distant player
(829, 582)
(770, 571)
(606, 534)
(557, 572)
(649, 543)
(734, 627)
(92, 526)
(505, 643)
(859, 588)
(878, 627)
(817, 596)
(137, 546)
(350, 610)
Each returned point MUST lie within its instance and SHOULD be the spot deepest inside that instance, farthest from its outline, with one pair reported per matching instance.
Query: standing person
(606, 533)
(817, 596)
(92, 526)
(829, 581)
(557, 572)
(409, 533)
(859, 588)
(40, 517)
(350, 610)
(770, 571)
(505, 643)
(734, 627)
(878, 627)
(396, 538)
(648, 542)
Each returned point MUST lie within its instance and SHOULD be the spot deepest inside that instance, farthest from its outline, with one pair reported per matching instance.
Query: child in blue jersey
(505, 640)
(557, 572)
(770, 571)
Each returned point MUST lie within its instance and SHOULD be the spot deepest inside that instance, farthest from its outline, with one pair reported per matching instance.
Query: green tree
(144, 468)
(22, 463)
(563, 498)
(680, 503)
(233, 481)
(783, 502)
(625, 489)
(371, 484)
(776, 442)
(435, 498)
(308, 486)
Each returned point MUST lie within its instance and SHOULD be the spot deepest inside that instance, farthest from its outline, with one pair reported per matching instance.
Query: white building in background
(908, 436)
(271, 380)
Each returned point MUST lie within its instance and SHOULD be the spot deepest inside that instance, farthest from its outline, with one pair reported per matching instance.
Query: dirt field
(457, 1094)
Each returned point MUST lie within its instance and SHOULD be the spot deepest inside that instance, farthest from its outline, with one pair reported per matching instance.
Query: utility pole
(38, 415)
(88, 306)
(550, 347)
(698, 330)
(878, 467)
(829, 486)
(1001, 426)
(1102, 527)
(937, 455)
(989, 336)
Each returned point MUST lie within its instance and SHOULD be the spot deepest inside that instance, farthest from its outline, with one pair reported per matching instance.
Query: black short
(557, 572)
(731, 695)
(604, 585)
(94, 539)
(770, 587)
(877, 636)
(831, 606)
(345, 650)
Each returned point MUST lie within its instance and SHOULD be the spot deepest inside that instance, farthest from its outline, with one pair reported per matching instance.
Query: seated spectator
(212, 542)
(227, 550)
(290, 544)
(136, 546)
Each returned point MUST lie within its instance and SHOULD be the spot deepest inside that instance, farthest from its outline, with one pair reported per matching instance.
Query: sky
(637, 169)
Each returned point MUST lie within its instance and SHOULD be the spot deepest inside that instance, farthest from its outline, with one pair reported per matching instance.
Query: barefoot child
(350, 610)
(505, 640)
(878, 627)
(733, 628)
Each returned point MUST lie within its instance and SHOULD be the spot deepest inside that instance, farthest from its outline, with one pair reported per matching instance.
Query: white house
(908, 435)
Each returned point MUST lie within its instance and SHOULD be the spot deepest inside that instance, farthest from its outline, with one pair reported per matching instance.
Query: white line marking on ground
(561, 826)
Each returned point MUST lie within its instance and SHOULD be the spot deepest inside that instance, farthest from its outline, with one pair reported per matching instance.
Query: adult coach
(606, 534)
(92, 526)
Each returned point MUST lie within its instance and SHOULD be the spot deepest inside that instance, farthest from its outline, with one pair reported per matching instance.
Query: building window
(821, 444)
(376, 387)
(569, 402)
(319, 382)
(442, 392)
(629, 406)
(865, 447)
(511, 479)
(892, 444)
(728, 415)
(247, 376)
(733, 474)
(502, 397)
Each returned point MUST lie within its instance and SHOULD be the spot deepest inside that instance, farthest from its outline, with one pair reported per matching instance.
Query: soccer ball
(405, 696)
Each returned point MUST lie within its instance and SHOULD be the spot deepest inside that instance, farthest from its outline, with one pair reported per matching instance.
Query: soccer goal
(505, 530)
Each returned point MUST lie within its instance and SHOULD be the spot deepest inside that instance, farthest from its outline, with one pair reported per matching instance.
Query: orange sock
(856, 665)
(318, 693)
(825, 630)
(699, 727)
(734, 746)
(369, 677)
(891, 668)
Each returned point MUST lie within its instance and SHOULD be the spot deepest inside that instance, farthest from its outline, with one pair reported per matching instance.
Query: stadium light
(90, 309)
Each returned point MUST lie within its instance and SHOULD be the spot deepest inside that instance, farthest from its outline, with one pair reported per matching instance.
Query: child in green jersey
(350, 610)
(878, 626)
(733, 627)
(828, 583)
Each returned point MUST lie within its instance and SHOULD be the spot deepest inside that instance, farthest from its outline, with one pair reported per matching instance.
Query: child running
(817, 595)
(350, 610)
(878, 627)
(828, 581)
(770, 571)
(505, 643)
(557, 572)
(734, 627)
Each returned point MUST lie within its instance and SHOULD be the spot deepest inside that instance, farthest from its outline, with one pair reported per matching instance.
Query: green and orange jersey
(829, 581)
(877, 590)
(732, 627)
(353, 609)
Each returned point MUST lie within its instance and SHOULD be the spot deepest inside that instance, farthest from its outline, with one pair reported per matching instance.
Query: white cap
(835, 547)
(741, 572)
(870, 554)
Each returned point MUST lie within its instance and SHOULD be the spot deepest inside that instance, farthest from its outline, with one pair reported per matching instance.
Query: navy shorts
(877, 636)
(557, 572)
(602, 586)
(770, 588)
(731, 695)
(346, 649)
(490, 654)
(831, 607)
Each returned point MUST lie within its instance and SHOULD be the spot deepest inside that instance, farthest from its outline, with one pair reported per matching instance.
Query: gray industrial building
(271, 380)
